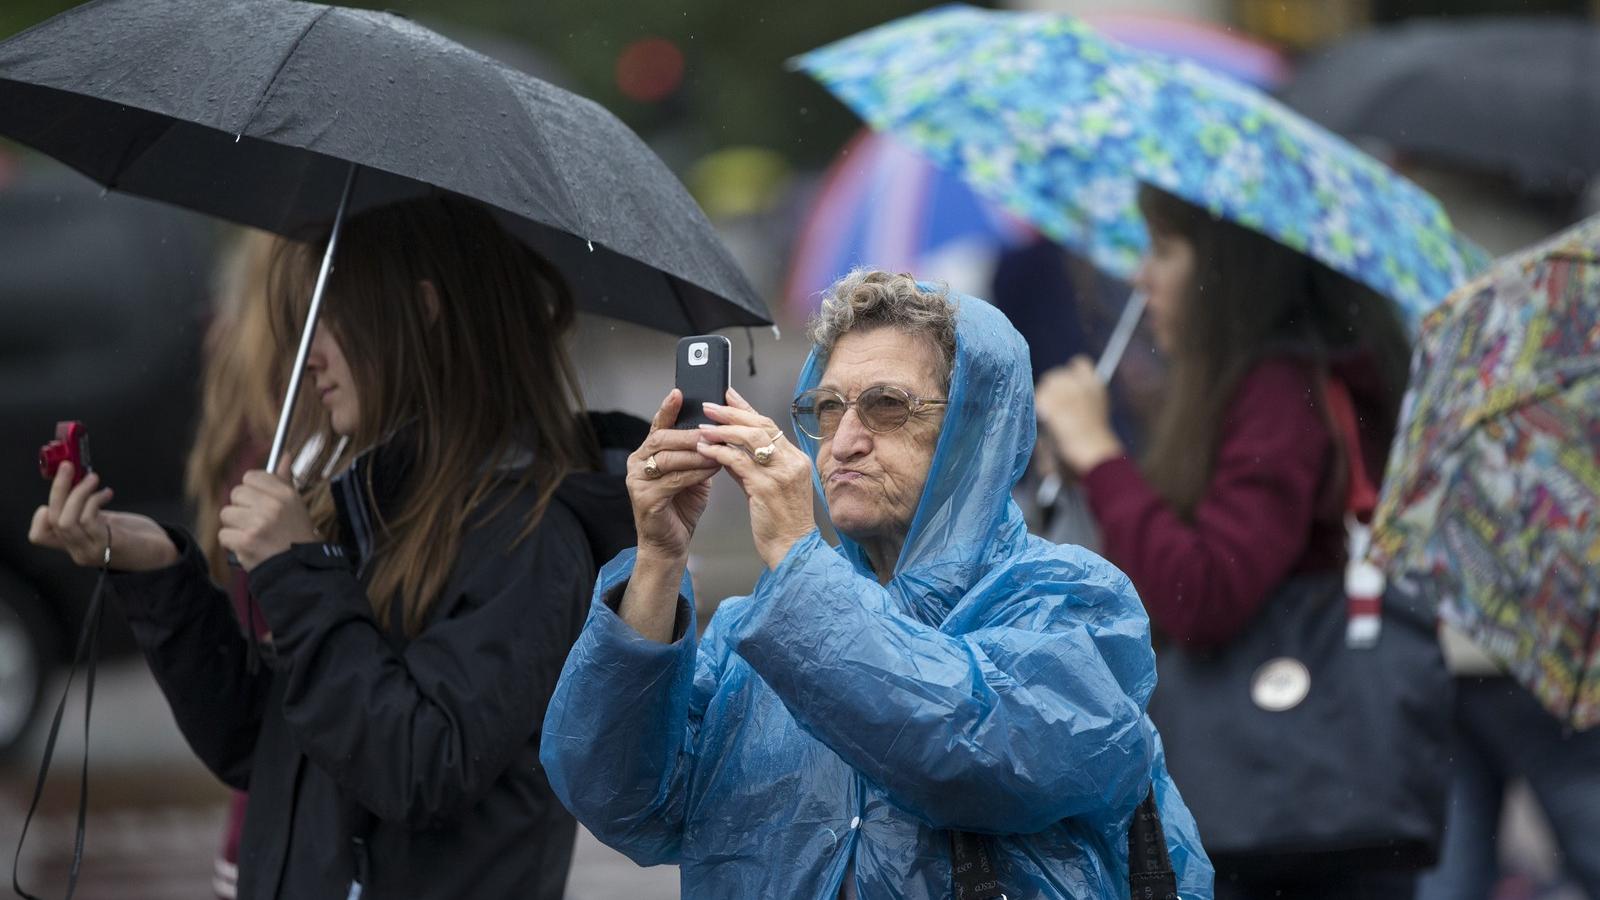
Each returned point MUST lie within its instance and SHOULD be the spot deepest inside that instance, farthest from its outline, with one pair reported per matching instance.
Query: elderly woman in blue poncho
(940, 684)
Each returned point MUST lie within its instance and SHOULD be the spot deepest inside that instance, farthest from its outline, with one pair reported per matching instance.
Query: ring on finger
(651, 469)
(763, 455)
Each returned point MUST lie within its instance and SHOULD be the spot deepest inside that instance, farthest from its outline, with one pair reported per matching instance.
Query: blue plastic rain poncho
(997, 684)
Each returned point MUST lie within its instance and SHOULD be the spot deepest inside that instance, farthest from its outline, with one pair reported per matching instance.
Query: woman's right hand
(666, 508)
(75, 521)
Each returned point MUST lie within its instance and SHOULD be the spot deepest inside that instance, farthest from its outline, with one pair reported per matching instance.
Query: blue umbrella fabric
(1060, 125)
(255, 112)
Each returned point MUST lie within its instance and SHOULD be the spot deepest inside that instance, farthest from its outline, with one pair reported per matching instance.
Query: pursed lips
(845, 476)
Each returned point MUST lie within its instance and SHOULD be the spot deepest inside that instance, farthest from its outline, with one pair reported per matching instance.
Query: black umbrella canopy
(1519, 96)
(255, 110)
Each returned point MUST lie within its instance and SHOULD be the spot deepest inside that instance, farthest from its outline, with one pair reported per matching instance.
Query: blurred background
(103, 301)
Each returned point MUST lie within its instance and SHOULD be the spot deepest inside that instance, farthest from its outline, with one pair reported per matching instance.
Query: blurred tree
(735, 88)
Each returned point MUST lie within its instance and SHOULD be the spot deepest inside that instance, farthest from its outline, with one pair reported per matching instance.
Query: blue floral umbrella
(1060, 125)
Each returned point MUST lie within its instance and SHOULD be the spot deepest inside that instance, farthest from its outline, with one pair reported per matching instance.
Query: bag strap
(1361, 497)
(1150, 874)
(1364, 582)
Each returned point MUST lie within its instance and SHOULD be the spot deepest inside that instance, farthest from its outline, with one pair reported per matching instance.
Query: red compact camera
(71, 445)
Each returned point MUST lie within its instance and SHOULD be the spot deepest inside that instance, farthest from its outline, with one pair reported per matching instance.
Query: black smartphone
(702, 376)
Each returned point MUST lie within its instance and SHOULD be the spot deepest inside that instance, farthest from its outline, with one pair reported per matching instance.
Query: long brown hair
(476, 371)
(241, 389)
(1251, 297)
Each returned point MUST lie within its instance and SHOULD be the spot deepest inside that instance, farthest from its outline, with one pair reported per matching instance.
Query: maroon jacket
(1268, 512)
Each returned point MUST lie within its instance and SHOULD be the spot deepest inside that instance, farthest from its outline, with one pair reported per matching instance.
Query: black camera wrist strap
(1150, 874)
(87, 654)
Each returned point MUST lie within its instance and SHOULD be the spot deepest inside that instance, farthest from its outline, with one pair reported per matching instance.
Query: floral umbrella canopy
(1060, 125)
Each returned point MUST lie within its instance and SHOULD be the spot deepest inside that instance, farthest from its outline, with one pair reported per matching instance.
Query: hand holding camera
(75, 521)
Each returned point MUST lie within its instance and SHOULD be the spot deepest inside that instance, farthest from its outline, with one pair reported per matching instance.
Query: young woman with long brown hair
(1245, 482)
(420, 600)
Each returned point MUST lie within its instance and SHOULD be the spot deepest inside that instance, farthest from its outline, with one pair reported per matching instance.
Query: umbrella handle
(310, 328)
(1050, 487)
(1120, 336)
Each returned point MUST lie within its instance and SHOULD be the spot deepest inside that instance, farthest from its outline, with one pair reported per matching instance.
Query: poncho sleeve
(619, 737)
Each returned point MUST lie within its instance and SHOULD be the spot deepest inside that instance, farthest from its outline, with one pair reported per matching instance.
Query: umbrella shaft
(310, 329)
(1120, 336)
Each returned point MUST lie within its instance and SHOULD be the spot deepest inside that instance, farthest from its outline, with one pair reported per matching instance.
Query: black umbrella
(263, 111)
(1517, 96)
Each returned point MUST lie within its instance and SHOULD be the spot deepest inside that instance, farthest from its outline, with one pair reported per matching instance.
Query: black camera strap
(1150, 875)
(972, 868)
(86, 655)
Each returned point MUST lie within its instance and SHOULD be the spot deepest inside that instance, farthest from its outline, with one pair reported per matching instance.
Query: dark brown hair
(478, 378)
(1251, 297)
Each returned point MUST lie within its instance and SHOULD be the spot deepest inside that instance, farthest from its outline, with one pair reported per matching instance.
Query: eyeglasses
(882, 408)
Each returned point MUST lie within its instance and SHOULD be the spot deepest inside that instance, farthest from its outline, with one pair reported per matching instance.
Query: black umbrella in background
(1512, 95)
(262, 112)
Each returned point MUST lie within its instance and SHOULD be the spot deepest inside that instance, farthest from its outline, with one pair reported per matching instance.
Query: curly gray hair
(868, 298)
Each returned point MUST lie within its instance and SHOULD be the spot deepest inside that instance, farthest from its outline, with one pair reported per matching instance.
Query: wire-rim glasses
(882, 408)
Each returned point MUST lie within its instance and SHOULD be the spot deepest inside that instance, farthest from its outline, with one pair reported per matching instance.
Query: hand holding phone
(71, 445)
(703, 373)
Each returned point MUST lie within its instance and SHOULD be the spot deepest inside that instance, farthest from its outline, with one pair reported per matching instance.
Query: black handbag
(1320, 736)
(1292, 748)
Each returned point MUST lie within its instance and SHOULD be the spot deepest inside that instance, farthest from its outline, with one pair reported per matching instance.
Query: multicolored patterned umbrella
(884, 204)
(1059, 125)
(1491, 505)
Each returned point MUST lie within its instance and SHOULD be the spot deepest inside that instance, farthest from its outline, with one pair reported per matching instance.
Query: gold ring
(763, 455)
(651, 470)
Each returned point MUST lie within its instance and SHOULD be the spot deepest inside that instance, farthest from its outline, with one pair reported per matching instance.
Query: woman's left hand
(1075, 408)
(779, 492)
(264, 516)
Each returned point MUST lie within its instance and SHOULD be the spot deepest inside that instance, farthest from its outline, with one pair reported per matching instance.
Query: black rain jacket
(411, 765)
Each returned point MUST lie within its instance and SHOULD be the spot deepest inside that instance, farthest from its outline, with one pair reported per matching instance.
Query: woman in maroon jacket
(1243, 485)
